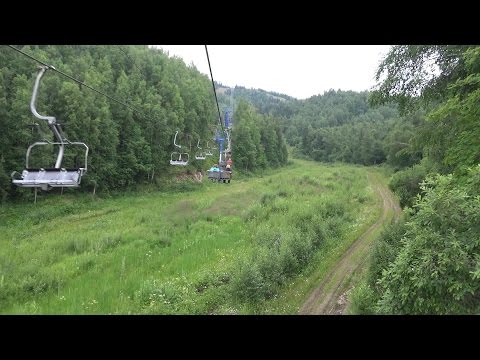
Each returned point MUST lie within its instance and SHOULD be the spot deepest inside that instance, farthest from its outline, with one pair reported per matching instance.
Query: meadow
(258, 245)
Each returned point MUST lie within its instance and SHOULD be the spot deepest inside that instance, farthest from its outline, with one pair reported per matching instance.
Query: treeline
(266, 102)
(429, 263)
(342, 126)
(126, 147)
(337, 126)
(257, 139)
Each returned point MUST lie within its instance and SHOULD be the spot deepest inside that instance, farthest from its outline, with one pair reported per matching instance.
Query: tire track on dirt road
(330, 297)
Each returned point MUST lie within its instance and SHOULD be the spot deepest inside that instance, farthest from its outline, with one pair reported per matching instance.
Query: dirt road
(331, 296)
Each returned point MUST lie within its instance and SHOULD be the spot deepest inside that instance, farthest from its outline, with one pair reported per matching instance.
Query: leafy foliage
(432, 268)
(257, 139)
(341, 126)
(406, 184)
(416, 75)
(126, 148)
(437, 269)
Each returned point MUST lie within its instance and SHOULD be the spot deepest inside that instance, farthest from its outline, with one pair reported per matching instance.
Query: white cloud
(300, 71)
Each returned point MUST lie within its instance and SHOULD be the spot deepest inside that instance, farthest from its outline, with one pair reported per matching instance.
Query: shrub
(362, 300)
(406, 184)
(437, 270)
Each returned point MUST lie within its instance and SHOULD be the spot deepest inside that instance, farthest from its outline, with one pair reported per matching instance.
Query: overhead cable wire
(131, 60)
(79, 82)
(214, 91)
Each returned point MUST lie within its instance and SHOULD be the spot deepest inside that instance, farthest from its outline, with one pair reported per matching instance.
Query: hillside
(308, 223)
(128, 105)
(213, 249)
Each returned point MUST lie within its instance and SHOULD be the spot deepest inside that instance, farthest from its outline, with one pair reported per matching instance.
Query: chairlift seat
(49, 178)
(180, 159)
(178, 162)
(219, 175)
(214, 175)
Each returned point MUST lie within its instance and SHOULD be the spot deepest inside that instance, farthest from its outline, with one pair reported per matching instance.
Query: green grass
(256, 245)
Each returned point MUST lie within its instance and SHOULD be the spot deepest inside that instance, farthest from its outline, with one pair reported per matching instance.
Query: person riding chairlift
(229, 165)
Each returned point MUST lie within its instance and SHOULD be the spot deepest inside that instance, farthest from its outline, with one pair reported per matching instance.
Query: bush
(280, 256)
(255, 212)
(385, 251)
(248, 283)
(437, 270)
(406, 184)
(362, 300)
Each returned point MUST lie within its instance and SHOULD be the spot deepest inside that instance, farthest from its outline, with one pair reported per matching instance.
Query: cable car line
(78, 81)
(214, 91)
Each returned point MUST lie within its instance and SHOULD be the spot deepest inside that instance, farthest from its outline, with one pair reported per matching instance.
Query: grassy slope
(292, 297)
(173, 252)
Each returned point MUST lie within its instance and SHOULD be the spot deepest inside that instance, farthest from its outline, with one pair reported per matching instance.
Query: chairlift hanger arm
(175, 141)
(52, 122)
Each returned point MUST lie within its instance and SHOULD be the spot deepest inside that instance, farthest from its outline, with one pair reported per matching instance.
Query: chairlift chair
(47, 178)
(200, 155)
(208, 150)
(178, 158)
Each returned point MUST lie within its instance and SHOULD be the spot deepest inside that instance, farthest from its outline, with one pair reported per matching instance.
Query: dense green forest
(341, 126)
(127, 147)
(429, 263)
(266, 102)
(337, 126)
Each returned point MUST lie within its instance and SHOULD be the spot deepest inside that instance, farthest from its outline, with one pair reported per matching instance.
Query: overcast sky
(300, 71)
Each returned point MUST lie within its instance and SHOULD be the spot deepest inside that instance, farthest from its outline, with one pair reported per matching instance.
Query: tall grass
(194, 249)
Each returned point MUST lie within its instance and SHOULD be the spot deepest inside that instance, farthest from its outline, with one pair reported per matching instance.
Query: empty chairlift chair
(178, 158)
(208, 150)
(49, 177)
(199, 155)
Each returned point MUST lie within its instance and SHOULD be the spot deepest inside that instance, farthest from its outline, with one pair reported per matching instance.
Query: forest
(418, 126)
(130, 143)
